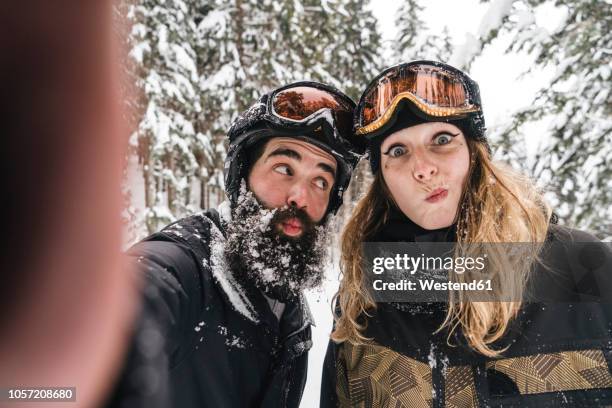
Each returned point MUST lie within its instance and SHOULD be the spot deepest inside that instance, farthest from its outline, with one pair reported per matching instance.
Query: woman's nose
(424, 169)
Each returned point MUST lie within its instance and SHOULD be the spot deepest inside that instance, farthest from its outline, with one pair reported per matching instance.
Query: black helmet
(310, 111)
(417, 92)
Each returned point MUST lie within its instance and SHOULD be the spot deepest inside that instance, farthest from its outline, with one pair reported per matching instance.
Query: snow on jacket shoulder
(213, 342)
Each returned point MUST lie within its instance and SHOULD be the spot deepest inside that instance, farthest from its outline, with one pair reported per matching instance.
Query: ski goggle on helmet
(434, 91)
(309, 111)
(303, 103)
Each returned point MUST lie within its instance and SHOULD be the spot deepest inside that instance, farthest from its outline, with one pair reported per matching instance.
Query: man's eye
(442, 139)
(283, 169)
(321, 183)
(396, 151)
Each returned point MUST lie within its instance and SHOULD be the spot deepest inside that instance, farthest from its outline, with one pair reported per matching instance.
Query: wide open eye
(443, 139)
(396, 151)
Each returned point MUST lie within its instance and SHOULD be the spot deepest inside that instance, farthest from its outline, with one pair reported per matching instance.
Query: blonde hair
(498, 205)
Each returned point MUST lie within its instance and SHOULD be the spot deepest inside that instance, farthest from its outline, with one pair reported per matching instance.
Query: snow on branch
(498, 12)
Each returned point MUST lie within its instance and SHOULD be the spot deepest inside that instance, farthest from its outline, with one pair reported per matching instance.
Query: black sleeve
(170, 296)
(171, 291)
(590, 264)
(329, 397)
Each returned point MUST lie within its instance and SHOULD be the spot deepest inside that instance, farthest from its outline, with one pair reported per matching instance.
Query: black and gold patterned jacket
(559, 353)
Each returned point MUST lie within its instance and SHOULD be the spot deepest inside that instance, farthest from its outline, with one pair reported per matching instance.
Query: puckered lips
(292, 226)
(437, 195)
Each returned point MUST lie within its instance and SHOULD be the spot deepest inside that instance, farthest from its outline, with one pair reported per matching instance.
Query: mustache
(283, 214)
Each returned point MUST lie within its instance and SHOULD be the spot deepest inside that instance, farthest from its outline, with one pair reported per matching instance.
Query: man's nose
(297, 195)
(424, 169)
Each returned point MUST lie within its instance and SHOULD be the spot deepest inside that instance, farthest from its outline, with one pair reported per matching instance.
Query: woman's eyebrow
(447, 127)
(389, 144)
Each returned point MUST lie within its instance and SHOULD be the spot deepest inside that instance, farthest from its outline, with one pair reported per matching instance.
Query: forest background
(544, 68)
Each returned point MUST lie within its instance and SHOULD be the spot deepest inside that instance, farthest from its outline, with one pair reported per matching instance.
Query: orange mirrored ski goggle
(437, 91)
(300, 102)
(304, 103)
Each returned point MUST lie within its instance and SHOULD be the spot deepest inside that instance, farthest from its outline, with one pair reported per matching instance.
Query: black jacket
(559, 352)
(202, 339)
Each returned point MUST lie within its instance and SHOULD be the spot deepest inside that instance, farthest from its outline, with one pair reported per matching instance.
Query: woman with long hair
(542, 334)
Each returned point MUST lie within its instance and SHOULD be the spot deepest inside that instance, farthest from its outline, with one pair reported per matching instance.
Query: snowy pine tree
(414, 39)
(409, 27)
(162, 36)
(308, 29)
(199, 63)
(247, 48)
(354, 58)
(495, 17)
(574, 156)
(436, 47)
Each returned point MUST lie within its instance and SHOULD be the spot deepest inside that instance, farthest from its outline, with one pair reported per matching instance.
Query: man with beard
(224, 322)
(263, 254)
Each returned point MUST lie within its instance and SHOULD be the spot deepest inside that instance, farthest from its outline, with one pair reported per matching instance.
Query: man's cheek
(266, 200)
(319, 211)
(275, 198)
(317, 214)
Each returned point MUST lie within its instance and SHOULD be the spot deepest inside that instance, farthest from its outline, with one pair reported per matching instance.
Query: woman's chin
(434, 223)
(431, 217)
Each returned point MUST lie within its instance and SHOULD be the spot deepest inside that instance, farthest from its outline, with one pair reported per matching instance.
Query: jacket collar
(400, 228)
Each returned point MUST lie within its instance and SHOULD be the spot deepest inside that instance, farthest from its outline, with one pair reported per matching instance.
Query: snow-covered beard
(261, 254)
